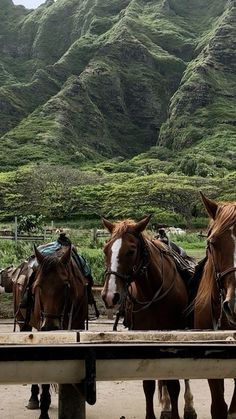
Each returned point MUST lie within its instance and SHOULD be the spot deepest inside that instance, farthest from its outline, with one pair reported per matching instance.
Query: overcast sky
(29, 4)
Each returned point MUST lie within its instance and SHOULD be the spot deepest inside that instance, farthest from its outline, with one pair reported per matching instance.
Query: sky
(29, 4)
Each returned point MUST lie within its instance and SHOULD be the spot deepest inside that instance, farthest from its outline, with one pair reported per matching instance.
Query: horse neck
(154, 273)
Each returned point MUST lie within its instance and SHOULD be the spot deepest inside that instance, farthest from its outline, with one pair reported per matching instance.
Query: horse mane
(206, 286)
(225, 218)
(124, 226)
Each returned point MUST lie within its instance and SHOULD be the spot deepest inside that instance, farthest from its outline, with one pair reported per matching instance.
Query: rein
(158, 296)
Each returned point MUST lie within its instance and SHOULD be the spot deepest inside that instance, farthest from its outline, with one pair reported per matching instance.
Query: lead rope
(157, 296)
(70, 317)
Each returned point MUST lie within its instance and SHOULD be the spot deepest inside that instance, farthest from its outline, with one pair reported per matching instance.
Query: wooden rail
(75, 360)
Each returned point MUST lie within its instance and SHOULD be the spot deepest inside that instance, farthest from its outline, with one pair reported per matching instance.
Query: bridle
(138, 268)
(141, 268)
(219, 276)
(61, 316)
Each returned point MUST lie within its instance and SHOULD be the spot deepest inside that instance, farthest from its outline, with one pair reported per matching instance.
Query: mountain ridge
(103, 75)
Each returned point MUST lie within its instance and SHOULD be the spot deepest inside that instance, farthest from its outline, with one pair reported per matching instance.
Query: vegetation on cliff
(117, 107)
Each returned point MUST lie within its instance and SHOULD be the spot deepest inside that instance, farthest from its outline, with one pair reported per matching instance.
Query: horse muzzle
(229, 308)
(111, 299)
(50, 323)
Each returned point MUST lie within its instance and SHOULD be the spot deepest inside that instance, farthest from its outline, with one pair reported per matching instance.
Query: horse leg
(164, 400)
(218, 406)
(149, 387)
(45, 401)
(189, 411)
(173, 387)
(33, 402)
(232, 409)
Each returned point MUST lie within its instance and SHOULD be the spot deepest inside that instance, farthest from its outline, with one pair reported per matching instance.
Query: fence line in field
(48, 232)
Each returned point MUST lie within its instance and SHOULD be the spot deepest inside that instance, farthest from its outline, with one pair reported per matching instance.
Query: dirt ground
(115, 400)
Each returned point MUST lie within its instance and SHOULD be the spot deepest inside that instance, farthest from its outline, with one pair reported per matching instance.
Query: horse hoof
(33, 404)
(165, 414)
(190, 415)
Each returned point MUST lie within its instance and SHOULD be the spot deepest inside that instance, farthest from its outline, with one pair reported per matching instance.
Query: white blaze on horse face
(115, 249)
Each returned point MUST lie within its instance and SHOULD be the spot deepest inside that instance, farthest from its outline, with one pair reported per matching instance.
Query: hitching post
(71, 401)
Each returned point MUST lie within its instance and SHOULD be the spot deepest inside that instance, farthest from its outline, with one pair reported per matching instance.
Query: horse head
(52, 290)
(123, 253)
(221, 249)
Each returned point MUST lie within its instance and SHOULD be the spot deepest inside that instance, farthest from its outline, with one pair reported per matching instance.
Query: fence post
(94, 233)
(15, 230)
(71, 401)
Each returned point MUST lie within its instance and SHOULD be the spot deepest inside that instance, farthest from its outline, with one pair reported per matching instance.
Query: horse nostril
(116, 298)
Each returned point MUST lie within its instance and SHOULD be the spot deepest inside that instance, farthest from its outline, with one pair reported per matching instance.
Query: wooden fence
(48, 233)
(76, 360)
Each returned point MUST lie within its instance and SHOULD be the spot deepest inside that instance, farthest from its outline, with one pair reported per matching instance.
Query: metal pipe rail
(85, 357)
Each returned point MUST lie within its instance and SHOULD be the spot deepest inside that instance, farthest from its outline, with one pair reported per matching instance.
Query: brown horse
(59, 301)
(215, 304)
(142, 275)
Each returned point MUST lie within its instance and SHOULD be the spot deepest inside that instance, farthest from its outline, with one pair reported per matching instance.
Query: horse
(215, 303)
(141, 275)
(58, 301)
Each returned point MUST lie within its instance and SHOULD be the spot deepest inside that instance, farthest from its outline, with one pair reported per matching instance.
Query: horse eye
(130, 252)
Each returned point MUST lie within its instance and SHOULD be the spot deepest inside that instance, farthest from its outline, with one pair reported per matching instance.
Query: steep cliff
(89, 79)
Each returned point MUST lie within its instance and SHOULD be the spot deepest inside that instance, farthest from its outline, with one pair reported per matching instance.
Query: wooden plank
(157, 336)
(42, 372)
(73, 371)
(38, 338)
(135, 337)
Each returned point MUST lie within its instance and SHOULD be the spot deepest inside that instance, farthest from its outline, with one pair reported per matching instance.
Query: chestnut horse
(59, 301)
(215, 304)
(142, 275)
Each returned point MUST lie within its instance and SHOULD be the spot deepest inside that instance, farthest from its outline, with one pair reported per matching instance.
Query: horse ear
(66, 257)
(110, 227)
(210, 205)
(142, 224)
(39, 256)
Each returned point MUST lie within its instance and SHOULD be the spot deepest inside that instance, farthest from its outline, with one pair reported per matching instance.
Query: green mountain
(148, 84)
